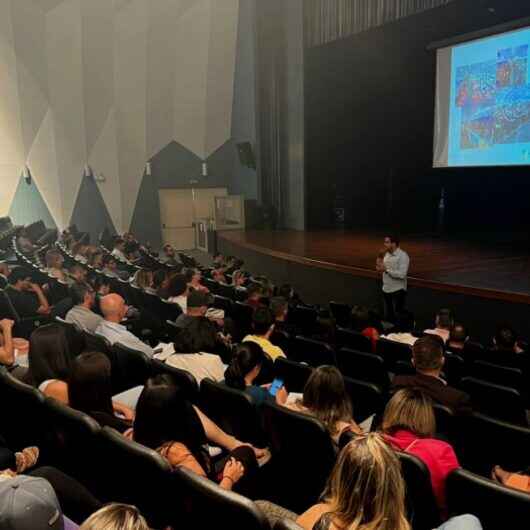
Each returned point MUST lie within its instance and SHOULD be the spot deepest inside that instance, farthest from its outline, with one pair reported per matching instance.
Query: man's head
(78, 273)
(444, 319)
(4, 268)
(83, 294)
(178, 286)
(428, 355)
(198, 303)
(169, 251)
(54, 259)
(391, 243)
(254, 292)
(458, 335)
(160, 279)
(218, 275)
(20, 278)
(279, 308)
(109, 262)
(263, 322)
(113, 308)
(218, 258)
(505, 338)
(119, 244)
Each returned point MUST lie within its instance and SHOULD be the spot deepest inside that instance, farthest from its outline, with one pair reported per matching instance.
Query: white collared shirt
(116, 333)
(397, 269)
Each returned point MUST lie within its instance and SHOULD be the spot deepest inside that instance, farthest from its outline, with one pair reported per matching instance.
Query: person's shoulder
(403, 380)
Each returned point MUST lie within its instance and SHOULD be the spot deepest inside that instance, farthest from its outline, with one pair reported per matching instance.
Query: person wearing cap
(114, 310)
(27, 297)
(196, 306)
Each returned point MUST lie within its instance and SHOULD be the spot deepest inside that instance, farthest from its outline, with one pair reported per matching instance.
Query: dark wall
(369, 131)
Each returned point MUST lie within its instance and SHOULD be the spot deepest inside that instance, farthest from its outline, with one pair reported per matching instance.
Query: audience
(169, 256)
(409, 425)
(506, 350)
(263, 326)
(403, 329)
(194, 351)
(119, 250)
(114, 310)
(96, 260)
(54, 264)
(143, 279)
(76, 273)
(196, 307)
(116, 517)
(443, 324)
(194, 277)
(254, 295)
(457, 338)
(365, 491)
(84, 299)
(218, 275)
(280, 310)
(326, 399)
(13, 351)
(24, 243)
(110, 266)
(177, 291)
(428, 360)
(27, 297)
(245, 368)
(161, 283)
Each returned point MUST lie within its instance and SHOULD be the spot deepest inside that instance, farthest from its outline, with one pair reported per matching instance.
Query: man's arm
(400, 272)
(44, 307)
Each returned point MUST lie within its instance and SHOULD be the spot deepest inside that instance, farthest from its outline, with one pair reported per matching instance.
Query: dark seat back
(162, 309)
(341, 313)
(97, 343)
(454, 368)
(367, 398)
(242, 315)
(493, 503)
(224, 303)
(363, 366)
(130, 368)
(184, 380)
(233, 410)
(392, 352)
(133, 474)
(348, 338)
(295, 440)
(294, 375)
(206, 504)
(495, 400)
(226, 291)
(473, 351)
(304, 319)
(497, 374)
(281, 339)
(313, 352)
(422, 511)
(23, 326)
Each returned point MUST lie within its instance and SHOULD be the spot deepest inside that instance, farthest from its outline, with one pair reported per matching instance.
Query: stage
(492, 282)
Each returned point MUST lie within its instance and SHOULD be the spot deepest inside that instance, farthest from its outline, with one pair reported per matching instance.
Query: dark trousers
(394, 304)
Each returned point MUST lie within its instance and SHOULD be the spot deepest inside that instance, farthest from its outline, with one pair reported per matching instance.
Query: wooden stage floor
(499, 272)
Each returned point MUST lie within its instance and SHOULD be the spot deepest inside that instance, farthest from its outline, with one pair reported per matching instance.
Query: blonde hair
(116, 517)
(410, 409)
(366, 490)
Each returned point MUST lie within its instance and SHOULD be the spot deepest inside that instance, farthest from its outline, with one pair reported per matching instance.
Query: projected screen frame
(442, 114)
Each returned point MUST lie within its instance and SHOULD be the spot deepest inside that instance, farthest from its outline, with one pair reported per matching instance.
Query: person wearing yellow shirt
(263, 326)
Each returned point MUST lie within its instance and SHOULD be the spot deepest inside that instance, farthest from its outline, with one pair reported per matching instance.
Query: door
(204, 201)
(176, 218)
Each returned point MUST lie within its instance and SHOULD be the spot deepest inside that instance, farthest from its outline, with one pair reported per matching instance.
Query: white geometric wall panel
(109, 83)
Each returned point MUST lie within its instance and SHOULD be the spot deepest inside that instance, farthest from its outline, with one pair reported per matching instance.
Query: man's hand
(6, 324)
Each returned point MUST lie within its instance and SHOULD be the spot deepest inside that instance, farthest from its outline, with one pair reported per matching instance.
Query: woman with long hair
(326, 399)
(365, 490)
(243, 370)
(143, 279)
(116, 517)
(409, 425)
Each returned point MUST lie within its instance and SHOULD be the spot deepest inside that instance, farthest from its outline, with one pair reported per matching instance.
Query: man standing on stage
(394, 266)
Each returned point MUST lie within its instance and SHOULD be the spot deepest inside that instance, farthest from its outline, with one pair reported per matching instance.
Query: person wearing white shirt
(114, 310)
(119, 250)
(394, 267)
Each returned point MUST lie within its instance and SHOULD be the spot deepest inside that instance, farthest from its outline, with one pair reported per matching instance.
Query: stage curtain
(329, 20)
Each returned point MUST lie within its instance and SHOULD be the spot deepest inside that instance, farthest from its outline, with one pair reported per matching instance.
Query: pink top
(438, 456)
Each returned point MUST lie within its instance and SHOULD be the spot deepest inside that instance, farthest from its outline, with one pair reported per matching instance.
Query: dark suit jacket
(439, 392)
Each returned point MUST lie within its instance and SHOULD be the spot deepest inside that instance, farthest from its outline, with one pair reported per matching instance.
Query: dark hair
(360, 317)
(89, 386)
(118, 241)
(262, 320)
(108, 258)
(458, 333)
(286, 291)
(278, 306)
(428, 353)
(164, 416)
(393, 239)
(159, 277)
(326, 397)
(445, 319)
(49, 356)
(505, 337)
(78, 291)
(246, 357)
(254, 289)
(200, 335)
(18, 274)
(177, 285)
(100, 281)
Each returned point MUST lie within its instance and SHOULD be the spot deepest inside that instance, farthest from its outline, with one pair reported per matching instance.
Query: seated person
(161, 283)
(114, 310)
(96, 260)
(76, 273)
(193, 278)
(218, 275)
(54, 264)
(365, 490)
(254, 295)
(177, 291)
(263, 326)
(82, 314)
(4, 273)
(110, 266)
(167, 423)
(12, 350)
(506, 350)
(79, 251)
(24, 243)
(428, 359)
(27, 297)
(116, 517)
(143, 279)
(443, 324)
(194, 351)
(326, 399)
(457, 338)
(409, 425)
(280, 310)
(218, 260)
(518, 481)
(244, 369)
(403, 330)
(169, 256)
(90, 391)
(51, 358)
(119, 250)
(287, 291)
(196, 307)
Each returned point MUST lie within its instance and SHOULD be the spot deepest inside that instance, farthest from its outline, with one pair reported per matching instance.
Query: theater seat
(348, 338)
(422, 510)
(130, 368)
(184, 380)
(367, 398)
(293, 374)
(313, 352)
(208, 506)
(303, 456)
(242, 315)
(494, 504)
(24, 327)
(233, 410)
(497, 374)
(363, 366)
(341, 313)
(392, 352)
(304, 319)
